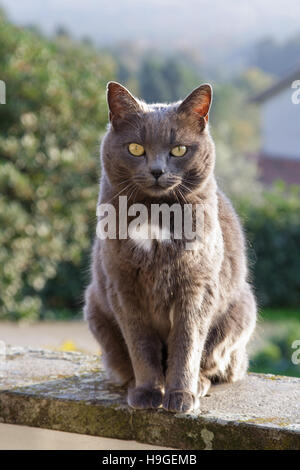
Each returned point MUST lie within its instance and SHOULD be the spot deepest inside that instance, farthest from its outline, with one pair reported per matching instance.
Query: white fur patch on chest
(144, 235)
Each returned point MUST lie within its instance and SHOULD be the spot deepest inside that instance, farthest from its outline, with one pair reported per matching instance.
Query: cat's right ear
(120, 102)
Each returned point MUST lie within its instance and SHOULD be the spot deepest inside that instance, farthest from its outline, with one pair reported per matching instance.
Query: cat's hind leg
(225, 358)
(114, 351)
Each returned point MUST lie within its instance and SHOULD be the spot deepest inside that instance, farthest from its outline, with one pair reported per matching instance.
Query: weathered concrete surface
(16, 437)
(69, 392)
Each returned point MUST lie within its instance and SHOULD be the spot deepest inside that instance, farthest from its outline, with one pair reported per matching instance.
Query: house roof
(279, 85)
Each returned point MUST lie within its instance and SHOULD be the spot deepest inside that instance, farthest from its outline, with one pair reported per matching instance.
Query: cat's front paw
(144, 398)
(180, 401)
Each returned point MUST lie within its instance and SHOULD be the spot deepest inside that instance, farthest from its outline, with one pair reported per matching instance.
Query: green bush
(273, 233)
(276, 355)
(50, 132)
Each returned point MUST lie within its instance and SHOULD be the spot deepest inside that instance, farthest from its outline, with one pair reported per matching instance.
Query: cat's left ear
(120, 102)
(198, 102)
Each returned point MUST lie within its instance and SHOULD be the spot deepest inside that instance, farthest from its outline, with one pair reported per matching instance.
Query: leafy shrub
(273, 231)
(275, 357)
(50, 131)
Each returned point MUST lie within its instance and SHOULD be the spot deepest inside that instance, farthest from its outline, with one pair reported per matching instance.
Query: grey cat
(170, 321)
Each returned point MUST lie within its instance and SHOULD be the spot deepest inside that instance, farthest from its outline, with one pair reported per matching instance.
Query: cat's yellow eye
(178, 151)
(136, 149)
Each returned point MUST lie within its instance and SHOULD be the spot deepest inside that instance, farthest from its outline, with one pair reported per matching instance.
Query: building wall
(281, 126)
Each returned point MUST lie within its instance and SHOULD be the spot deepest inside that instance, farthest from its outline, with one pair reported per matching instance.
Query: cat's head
(158, 149)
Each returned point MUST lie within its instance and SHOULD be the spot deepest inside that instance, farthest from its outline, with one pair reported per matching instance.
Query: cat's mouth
(158, 188)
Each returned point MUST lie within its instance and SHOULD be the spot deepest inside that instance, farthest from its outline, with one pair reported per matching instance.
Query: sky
(107, 21)
(210, 26)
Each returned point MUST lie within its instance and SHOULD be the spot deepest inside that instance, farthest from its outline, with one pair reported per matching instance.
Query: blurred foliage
(235, 129)
(275, 357)
(50, 130)
(280, 314)
(276, 57)
(273, 231)
(166, 79)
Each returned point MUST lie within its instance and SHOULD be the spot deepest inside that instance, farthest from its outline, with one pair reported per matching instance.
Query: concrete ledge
(69, 392)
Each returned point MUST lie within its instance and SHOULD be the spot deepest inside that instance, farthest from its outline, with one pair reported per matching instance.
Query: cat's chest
(149, 235)
(149, 238)
(162, 269)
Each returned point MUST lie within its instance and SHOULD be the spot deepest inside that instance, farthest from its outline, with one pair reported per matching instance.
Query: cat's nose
(157, 172)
